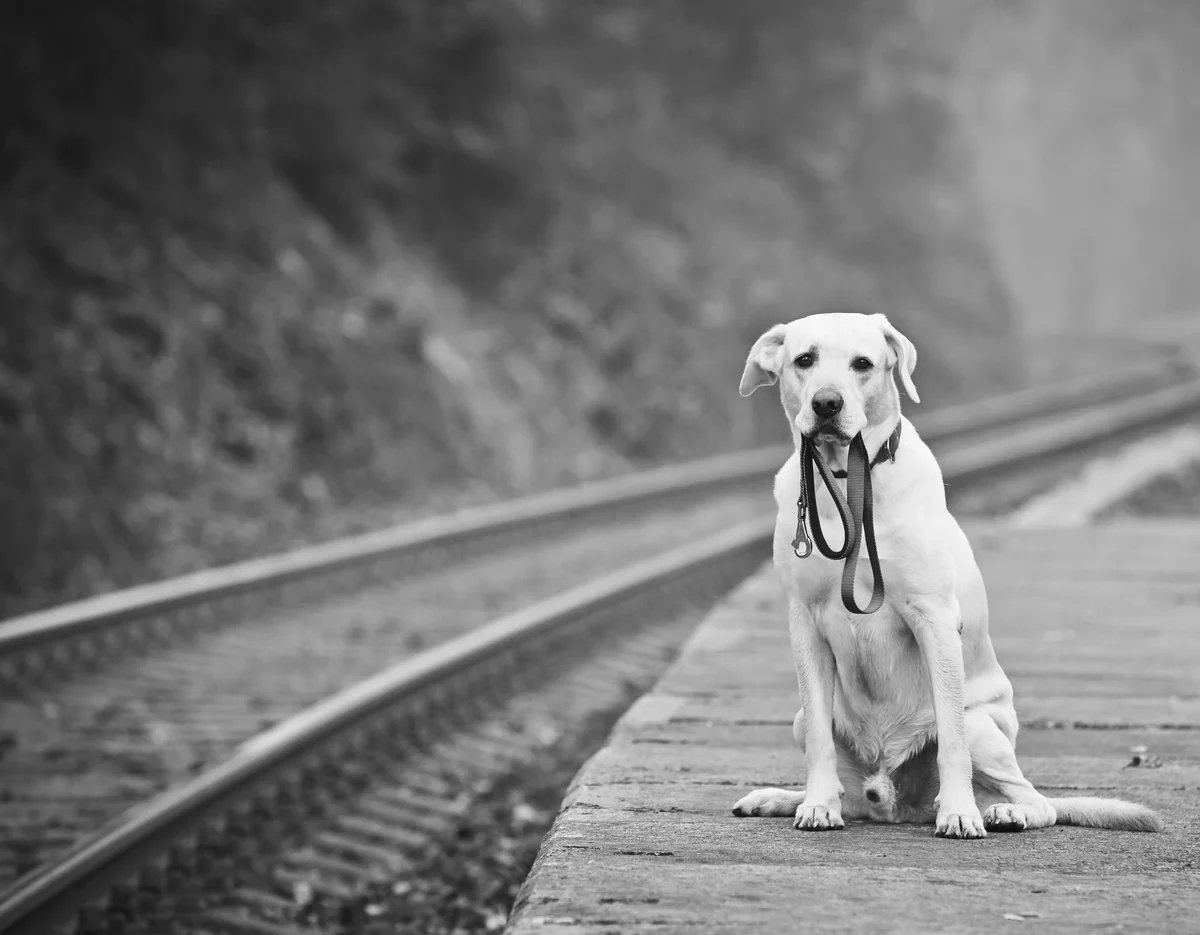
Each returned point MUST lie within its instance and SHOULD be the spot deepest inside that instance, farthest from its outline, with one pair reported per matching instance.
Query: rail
(86, 871)
(80, 617)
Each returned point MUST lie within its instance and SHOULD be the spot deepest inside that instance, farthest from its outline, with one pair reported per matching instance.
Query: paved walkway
(1099, 631)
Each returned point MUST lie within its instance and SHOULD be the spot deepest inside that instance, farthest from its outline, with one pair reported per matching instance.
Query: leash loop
(855, 510)
(858, 490)
(810, 456)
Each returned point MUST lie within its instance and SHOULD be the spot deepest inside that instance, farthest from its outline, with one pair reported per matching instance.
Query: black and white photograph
(599, 467)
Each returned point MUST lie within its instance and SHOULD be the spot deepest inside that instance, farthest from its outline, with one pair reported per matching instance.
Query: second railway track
(155, 713)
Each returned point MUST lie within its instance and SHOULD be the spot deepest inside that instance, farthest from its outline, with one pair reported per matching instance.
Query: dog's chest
(873, 652)
(881, 691)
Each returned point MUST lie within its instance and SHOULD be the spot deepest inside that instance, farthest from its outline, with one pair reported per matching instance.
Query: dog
(906, 714)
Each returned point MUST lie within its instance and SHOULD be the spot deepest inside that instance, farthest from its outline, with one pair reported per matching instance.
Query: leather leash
(855, 509)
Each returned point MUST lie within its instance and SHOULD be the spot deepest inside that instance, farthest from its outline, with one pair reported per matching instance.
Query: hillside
(273, 271)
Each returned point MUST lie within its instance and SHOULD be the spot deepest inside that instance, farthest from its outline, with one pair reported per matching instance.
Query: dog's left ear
(906, 354)
(762, 365)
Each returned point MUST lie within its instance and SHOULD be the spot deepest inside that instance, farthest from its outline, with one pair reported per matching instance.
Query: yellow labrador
(907, 706)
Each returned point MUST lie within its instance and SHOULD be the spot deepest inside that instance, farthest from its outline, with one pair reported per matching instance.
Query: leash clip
(802, 530)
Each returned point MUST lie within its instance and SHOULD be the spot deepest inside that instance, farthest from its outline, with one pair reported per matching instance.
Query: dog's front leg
(821, 809)
(934, 623)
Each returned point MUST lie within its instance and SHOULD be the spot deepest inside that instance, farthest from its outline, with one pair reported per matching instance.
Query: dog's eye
(861, 364)
(804, 361)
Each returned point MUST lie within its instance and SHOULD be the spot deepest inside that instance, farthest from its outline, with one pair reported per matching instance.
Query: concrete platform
(1099, 630)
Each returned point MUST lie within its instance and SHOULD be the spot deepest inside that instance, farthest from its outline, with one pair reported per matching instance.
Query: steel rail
(81, 617)
(1047, 438)
(115, 854)
(92, 865)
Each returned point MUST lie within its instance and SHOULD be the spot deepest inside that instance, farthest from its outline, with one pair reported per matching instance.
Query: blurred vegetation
(267, 266)
(184, 330)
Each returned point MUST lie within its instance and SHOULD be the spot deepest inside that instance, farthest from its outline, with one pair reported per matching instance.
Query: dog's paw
(1004, 817)
(960, 825)
(769, 803)
(818, 818)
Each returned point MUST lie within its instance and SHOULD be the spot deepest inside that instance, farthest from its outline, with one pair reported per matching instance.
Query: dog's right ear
(762, 366)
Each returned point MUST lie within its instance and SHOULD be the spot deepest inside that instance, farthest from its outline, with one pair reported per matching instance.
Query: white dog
(906, 706)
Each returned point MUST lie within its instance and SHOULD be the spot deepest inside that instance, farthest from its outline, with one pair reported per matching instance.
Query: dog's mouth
(829, 433)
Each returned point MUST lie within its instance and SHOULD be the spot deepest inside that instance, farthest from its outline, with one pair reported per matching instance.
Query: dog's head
(834, 372)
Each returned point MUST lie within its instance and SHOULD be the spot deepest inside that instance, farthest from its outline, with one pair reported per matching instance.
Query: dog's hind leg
(783, 803)
(1011, 803)
(771, 802)
(1008, 800)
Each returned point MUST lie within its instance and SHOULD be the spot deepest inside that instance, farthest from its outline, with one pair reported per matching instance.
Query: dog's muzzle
(826, 405)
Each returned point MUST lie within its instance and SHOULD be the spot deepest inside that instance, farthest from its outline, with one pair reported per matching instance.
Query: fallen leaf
(1143, 759)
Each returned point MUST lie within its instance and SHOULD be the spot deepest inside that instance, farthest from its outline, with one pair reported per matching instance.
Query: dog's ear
(906, 354)
(762, 365)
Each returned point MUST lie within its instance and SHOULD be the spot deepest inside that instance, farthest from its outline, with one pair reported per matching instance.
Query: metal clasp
(802, 530)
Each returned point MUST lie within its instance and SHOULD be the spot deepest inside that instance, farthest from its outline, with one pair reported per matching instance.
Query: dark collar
(886, 452)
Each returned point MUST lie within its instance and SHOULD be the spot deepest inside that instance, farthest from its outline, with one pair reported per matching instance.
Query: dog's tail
(1114, 814)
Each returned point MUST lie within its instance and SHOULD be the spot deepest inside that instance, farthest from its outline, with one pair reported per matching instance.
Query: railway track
(354, 787)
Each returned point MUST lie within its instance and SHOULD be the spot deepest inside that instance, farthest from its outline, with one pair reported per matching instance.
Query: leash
(855, 509)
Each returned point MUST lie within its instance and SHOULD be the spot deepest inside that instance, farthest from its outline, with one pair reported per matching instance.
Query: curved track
(226, 683)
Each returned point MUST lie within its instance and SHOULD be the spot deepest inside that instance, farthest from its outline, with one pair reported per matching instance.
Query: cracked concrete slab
(1099, 630)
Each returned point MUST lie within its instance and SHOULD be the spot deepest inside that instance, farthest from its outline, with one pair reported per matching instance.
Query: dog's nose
(826, 403)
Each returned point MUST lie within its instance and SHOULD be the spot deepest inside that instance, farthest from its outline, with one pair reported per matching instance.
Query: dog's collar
(887, 451)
